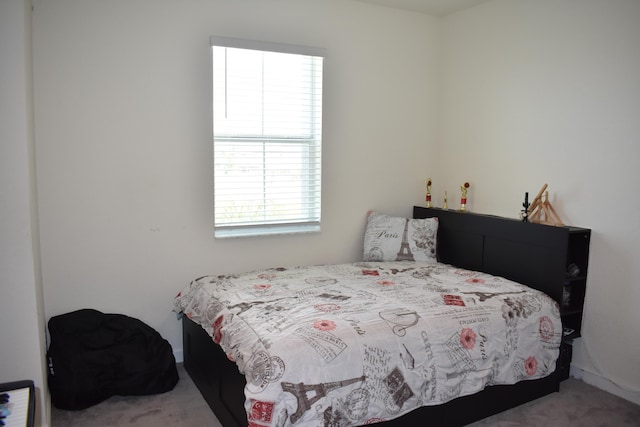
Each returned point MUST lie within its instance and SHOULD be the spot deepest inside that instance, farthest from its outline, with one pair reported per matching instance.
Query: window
(267, 127)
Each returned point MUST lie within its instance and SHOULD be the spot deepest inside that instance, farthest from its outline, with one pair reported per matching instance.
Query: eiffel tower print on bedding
(359, 343)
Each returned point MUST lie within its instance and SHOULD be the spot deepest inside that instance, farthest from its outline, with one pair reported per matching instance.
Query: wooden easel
(541, 210)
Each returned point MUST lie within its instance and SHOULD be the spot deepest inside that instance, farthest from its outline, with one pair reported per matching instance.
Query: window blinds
(267, 127)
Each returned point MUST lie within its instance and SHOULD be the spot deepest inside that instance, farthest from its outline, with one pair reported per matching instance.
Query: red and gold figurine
(463, 199)
(428, 198)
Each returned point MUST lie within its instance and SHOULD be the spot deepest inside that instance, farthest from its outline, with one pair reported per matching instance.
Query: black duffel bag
(93, 356)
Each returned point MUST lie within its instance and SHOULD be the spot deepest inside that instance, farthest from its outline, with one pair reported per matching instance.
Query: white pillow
(385, 239)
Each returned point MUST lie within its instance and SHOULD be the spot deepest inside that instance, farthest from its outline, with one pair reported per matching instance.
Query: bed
(400, 337)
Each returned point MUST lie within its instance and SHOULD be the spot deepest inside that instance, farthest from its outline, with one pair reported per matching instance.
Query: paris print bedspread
(355, 344)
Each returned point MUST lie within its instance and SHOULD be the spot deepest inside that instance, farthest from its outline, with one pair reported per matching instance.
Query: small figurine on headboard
(463, 199)
(525, 205)
(428, 192)
(444, 205)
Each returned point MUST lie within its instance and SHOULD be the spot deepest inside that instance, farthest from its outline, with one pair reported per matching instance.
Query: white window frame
(309, 220)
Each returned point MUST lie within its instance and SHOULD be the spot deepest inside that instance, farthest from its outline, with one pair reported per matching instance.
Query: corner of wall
(603, 383)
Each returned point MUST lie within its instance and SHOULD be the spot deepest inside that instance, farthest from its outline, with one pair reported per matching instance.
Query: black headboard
(532, 254)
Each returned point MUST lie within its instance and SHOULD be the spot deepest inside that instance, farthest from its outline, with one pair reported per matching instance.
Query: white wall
(548, 91)
(123, 140)
(22, 330)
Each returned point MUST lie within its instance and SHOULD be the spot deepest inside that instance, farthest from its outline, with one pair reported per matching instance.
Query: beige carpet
(577, 404)
(181, 407)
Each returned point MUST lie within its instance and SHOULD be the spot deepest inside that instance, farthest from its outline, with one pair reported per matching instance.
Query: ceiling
(431, 7)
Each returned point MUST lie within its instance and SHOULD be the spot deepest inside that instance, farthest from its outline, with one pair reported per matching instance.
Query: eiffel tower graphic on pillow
(404, 254)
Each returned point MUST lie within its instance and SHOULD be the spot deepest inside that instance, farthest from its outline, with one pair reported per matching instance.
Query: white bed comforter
(360, 343)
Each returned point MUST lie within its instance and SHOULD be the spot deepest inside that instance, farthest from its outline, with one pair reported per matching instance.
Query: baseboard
(604, 384)
(179, 355)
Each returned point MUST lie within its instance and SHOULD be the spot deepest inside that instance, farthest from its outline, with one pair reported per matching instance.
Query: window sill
(265, 230)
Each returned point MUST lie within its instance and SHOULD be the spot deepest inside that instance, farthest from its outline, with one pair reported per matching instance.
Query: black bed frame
(524, 252)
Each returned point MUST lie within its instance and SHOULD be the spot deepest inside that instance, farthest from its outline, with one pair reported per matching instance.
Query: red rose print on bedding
(531, 365)
(262, 286)
(475, 281)
(370, 272)
(468, 338)
(324, 325)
